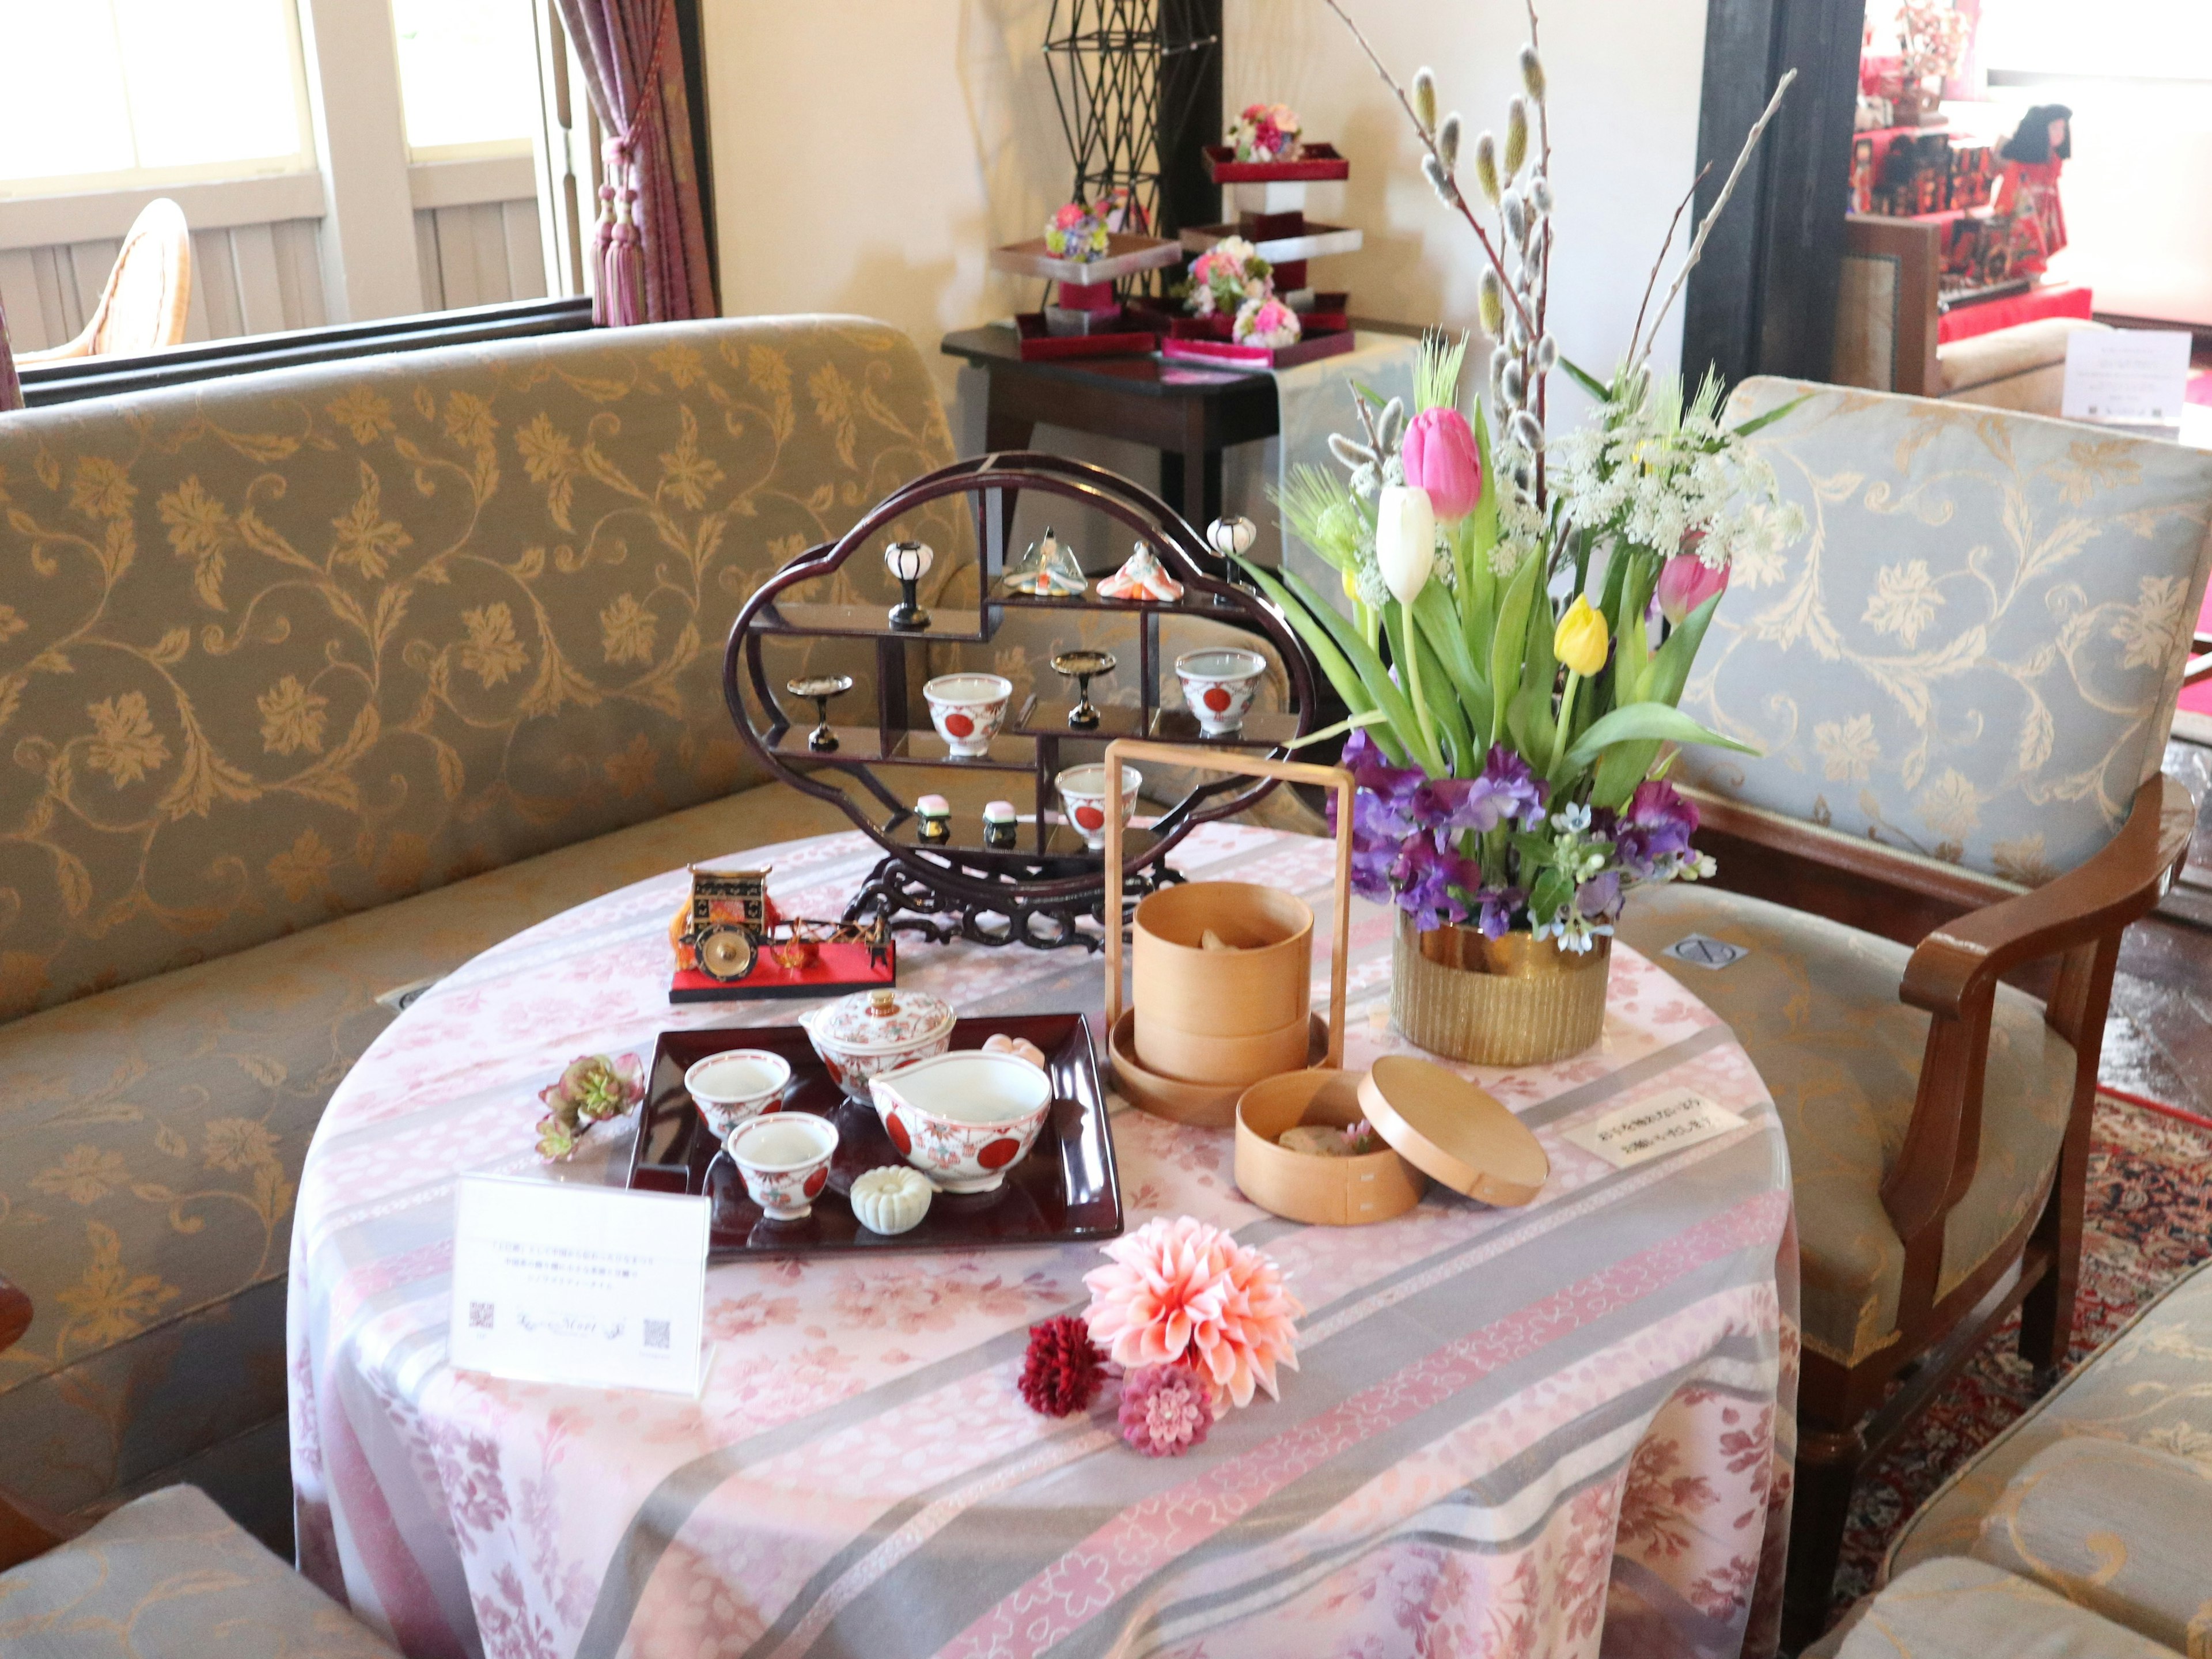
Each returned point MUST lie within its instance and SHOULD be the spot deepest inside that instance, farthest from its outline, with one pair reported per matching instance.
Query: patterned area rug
(2149, 1219)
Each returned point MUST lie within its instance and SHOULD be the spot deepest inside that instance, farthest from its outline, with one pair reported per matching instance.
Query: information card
(1664, 1123)
(2129, 375)
(554, 1282)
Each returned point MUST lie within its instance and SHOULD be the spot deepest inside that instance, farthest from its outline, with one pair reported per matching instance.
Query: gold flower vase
(1518, 1000)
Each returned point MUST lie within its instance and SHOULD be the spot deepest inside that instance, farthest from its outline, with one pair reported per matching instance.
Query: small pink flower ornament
(1266, 322)
(1180, 1292)
(1165, 1410)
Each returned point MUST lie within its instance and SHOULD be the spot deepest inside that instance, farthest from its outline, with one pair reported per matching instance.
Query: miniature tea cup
(785, 1160)
(737, 1085)
(1083, 795)
(862, 1035)
(964, 1119)
(1218, 683)
(967, 710)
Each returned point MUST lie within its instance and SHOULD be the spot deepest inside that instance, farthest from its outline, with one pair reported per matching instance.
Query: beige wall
(867, 153)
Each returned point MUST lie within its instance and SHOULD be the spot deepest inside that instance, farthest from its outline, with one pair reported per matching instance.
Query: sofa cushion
(1815, 1005)
(1961, 1609)
(171, 1577)
(2145, 1387)
(151, 1138)
(2002, 353)
(291, 645)
(2123, 1530)
(1973, 653)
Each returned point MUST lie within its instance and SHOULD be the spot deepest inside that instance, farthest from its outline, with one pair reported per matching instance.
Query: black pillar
(1189, 111)
(1763, 300)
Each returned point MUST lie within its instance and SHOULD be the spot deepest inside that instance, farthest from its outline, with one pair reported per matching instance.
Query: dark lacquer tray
(1066, 1191)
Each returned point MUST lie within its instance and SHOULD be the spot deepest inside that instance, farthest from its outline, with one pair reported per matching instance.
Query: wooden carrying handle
(1246, 766)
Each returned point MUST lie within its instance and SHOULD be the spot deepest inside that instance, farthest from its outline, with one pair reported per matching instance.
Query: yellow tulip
(1581, 639)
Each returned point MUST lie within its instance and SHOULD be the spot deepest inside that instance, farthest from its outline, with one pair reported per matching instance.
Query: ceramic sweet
(1083, 797)
(1000, 827)
(1021, 1047)
(891, 1200)
(1141, 577)
(735, 1085)
(963, 1119)
(968, 709)
(870, 1032)
(932, 819)
(1218, 684)
(785, 1161)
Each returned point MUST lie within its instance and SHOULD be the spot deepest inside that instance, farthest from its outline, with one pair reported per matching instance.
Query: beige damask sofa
(312, 684)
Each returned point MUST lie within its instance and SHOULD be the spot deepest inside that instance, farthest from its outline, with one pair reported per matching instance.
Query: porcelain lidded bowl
(964, 1119)
(870, 1032)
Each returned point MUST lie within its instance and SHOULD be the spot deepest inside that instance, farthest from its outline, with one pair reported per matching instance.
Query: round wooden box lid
(1454, 1132)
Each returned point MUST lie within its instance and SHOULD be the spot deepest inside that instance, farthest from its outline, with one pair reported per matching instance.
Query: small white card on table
(554, 1282)
(1665, 1123)
(2139, 375)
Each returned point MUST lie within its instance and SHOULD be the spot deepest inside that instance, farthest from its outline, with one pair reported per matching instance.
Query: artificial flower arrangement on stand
(1266, 132)
(1540, 602)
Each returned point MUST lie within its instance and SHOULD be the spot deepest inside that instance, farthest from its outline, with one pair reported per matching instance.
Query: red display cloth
(2197, 699)
(1987, 316)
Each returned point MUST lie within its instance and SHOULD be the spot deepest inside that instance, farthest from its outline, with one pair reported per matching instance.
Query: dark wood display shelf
(1066, 1191)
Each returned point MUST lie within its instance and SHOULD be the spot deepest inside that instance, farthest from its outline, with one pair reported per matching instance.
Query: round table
(1539, 1431)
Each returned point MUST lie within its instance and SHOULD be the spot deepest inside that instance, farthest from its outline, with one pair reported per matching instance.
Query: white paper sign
(557, 1282)
(2126, 374)
(1665, 1123)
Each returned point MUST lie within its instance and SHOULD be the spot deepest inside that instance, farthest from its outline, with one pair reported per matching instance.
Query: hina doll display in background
(2027, 189)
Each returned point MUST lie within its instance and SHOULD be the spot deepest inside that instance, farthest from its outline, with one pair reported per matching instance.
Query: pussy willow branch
(1539, 385)
(1720, 205)
(1406, 103)
(1651, 283)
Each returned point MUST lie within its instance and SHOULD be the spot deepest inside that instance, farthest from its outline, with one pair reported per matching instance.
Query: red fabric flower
(1061, 1372)
(1165, 1410)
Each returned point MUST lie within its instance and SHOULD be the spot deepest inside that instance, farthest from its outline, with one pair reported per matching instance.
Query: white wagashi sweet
(891, 1200)
(1021, 1047)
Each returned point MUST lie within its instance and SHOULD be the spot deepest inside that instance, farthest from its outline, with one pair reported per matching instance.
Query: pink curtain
(11, 390)
(650, 247)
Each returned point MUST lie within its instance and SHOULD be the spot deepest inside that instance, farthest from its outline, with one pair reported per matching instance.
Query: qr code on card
(480, 1316)
(656, 1333)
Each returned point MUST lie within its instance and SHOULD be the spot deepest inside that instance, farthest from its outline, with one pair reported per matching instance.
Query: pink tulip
(1686, 582)
(1440, 457)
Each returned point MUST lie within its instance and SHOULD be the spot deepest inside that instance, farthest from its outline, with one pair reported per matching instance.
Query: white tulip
(1405, 540)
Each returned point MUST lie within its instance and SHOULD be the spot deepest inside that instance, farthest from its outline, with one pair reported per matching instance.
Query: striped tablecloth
(1558, 1430)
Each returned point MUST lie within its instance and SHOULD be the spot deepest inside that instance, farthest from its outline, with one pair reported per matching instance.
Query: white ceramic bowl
(870, 1032)
(1218, 684)
(968, 710)
(964, 1119)
(735, 1085)
(784, 1158)
(1083, 798)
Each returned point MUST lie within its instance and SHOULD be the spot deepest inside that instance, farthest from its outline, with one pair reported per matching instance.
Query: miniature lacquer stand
(1249, 766)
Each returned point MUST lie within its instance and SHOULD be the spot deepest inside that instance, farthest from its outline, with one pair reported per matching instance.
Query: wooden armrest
(2117, 886)
(22, 1535)
(14, 1312)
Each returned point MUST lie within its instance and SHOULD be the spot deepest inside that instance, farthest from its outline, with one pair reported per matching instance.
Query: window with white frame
(468, 77)
(105, 94)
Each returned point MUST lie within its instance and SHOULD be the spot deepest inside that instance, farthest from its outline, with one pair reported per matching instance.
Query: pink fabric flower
(1439, 455)
(1686, 582)
(1165, 1410)
(1181, 1292)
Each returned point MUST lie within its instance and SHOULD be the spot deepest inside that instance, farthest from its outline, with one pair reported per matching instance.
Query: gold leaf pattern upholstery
(1961, 1609)
(1974, 652)
(278, 656)
(1815, 1005)
(171, 1577)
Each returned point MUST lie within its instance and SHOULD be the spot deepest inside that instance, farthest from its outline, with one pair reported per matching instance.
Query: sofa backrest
(1974, 650)
(285, 647)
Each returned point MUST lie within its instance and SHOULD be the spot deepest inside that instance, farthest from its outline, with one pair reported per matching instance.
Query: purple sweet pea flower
(1499, 905)
(1425, 877)
(1655, 829)
(1600, 898)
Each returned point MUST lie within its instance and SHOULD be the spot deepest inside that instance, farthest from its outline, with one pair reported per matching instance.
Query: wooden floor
(2157, 1043)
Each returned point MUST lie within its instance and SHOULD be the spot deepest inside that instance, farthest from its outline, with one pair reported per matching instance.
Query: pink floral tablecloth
(1565, 1429)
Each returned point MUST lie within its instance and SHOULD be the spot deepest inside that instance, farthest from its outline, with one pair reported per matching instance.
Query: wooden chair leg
(2046, 1316)
(1827, 1469)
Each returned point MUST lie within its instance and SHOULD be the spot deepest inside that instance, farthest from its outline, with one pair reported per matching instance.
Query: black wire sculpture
(1131, 78)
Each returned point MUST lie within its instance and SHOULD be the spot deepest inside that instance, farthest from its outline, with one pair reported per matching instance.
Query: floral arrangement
(1266, 132)
(591, 1091)
(1266, 322)
(1225, 277)
(1078, 232)
(1541, 601)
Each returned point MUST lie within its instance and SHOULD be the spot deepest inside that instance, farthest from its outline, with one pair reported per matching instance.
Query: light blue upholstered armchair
(1961, 681)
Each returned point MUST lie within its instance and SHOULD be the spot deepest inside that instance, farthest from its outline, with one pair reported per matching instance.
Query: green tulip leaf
(1657, 721)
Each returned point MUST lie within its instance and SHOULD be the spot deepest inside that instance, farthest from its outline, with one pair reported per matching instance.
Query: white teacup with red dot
(1217, 685)
(784, 1158)
(967, 710)
(1083, 798)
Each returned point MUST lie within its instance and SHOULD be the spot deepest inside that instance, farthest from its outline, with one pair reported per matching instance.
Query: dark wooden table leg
(1003, 431)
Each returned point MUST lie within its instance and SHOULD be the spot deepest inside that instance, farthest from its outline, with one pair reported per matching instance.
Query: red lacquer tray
(1066, 1191)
